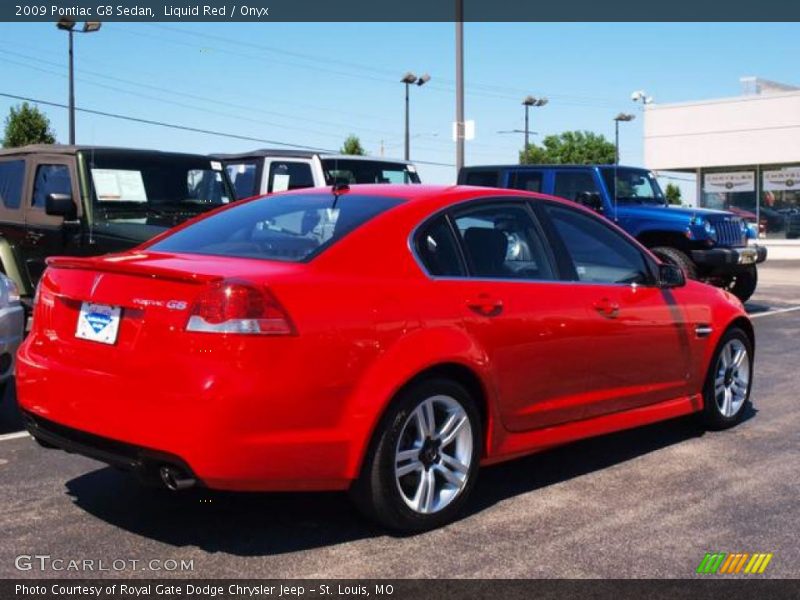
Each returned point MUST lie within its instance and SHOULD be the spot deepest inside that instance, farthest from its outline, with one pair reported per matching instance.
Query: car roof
(69, 150)
(426, 196)
(270, 152)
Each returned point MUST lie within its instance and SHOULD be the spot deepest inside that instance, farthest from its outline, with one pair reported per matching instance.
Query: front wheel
(424, 459)
(729, 379)
(744, 283)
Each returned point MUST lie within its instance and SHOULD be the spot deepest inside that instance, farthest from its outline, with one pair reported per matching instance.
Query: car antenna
(339, 187)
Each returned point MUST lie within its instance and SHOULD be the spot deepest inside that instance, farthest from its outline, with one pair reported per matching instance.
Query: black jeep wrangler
(81, 200)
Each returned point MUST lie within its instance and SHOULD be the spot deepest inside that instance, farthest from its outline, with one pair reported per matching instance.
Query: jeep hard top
(267, 171)
(85, 200)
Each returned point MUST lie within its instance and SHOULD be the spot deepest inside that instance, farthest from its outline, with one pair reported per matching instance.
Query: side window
(578, 186)
(12, 176)
(502, 241)
(598, 253)
(438, 250)
(530, 181)
(289, 176)
(482, 178)
(50, 179)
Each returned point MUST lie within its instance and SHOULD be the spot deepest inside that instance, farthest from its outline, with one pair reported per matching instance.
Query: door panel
(46, 235)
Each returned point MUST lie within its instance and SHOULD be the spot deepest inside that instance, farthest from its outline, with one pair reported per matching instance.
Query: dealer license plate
(98, 323)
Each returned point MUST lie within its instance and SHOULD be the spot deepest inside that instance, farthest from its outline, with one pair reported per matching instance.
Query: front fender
(409, 356)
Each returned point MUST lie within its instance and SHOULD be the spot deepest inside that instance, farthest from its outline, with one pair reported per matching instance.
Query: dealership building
(743, 151)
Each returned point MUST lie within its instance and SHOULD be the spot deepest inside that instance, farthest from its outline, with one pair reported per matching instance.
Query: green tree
(352, 145)
(26, 124)
(673, 194)
(570, 148)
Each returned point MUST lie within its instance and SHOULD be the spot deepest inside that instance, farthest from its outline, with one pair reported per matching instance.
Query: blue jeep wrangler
(709, 245)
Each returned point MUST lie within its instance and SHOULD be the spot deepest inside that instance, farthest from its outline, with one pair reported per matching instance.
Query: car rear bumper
(218, 430)
(731, 258)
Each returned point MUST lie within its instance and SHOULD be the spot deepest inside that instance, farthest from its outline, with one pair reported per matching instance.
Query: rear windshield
(342, 170)
(288, 228)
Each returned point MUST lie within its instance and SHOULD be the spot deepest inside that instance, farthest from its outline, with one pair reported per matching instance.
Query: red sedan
(382, 339)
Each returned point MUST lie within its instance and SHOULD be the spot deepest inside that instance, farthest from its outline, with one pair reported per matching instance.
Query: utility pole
(459, 84)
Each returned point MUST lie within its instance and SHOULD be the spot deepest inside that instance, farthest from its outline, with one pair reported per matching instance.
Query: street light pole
(408, 137)
(527, 106)
(408, 79)
(620, 117)
(459, 85)
(71, 90)
(68, 25)
(527, 102)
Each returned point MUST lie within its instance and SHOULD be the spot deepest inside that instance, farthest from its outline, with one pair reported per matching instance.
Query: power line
(189, 128)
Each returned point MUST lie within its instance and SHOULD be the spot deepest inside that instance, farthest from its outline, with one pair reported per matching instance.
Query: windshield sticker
(411, 168)
(117, 185)
(280, 182)
(216, 166)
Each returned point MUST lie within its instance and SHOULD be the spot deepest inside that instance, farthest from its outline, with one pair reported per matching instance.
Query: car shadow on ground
(753, 308)
(266, 524)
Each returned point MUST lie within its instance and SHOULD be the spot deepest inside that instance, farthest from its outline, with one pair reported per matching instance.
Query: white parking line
(777, 311)
(14, 436)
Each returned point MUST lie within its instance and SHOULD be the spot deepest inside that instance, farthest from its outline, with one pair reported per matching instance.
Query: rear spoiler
(129, 264)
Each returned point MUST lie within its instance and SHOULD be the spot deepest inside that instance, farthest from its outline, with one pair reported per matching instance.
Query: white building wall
(747, 130)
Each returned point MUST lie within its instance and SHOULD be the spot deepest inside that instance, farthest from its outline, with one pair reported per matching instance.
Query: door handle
(607, 308)
(485, 305)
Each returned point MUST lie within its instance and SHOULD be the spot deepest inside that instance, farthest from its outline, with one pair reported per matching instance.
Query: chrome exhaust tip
(174, 479)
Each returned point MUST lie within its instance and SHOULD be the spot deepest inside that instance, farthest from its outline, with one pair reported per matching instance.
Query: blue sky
(314, 83)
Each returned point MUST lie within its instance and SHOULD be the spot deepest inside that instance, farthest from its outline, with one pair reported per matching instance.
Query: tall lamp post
(68, 25)
(625, 117)
(527, 102)
(411, 79)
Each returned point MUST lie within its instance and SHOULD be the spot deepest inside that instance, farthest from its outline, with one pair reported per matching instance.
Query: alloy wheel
(732, 378)
(434, 454)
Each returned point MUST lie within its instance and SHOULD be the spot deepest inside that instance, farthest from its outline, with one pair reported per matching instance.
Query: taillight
(233, 306)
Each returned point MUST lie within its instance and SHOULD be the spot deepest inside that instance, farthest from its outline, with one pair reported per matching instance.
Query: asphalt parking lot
(644, 503)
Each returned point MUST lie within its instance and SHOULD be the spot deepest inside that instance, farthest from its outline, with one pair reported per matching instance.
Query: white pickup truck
(267, 171)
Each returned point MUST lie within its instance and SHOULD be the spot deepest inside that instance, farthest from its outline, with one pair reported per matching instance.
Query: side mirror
(591, 200)
(60, 205)
(670, 276)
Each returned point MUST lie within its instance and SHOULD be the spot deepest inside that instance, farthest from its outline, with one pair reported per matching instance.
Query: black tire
(377, 492)
(678, 258)
(744, 283)
(713, 416)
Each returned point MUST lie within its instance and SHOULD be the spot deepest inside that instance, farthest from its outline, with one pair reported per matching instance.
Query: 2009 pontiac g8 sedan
(381, 339)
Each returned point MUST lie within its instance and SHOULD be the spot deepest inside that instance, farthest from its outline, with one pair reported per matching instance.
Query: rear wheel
(678, 258)
(424, 459)
(744, 283)
(728, 383)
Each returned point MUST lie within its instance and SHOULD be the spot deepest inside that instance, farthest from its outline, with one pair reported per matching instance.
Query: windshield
(287, 228)
(339, 170)
(143, 184)
(633, 186)
(244, 176)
